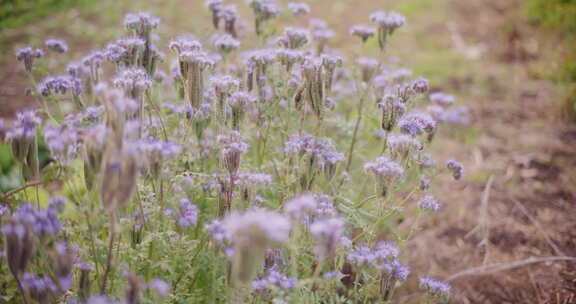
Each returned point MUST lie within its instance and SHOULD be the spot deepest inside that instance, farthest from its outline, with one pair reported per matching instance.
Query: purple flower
(4, 210)
(403, 144)
(416, 123)
(141, 23)
(455, 115)
(185, 44)
(39, 287)
(321, 149)
(28, 55)
(429, 203)
(327, 233)
(456, 168)
(232, 147)
(274, 278)
(299, 8)
(60, 85)
(217, 230)
(100, 300)
(56, 45)
(441, 98)
(362, 31)
(361, 256)
(58, 203)
(160, 287)
(188, 214)
(387, 20)
(225, 43)
(62, 141)
(435, 287)
(396, 269)
(257, 225)
(420, 85)
(24, 126)
(133, 79)
(301, 205)
(384, 168)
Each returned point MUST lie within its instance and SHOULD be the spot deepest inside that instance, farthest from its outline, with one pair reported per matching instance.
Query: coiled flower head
(299, 8)
(28, 55)
(387, 23)
(56, 45)
(362, 31)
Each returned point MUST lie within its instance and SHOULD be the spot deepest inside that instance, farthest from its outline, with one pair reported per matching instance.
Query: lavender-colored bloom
(28, 55)
(274, 279)
(188, 214)
(385, 251)
(257, 225)
(160, 287)
(321, 149)
(217, 231)
(39, 287)
(299, 8)
(263, 10)
(429, 203)
(295, 38)
(441, 98)
(225, 43)
(229, 14)
(384, 168)
(392, 110)
(387, 23)
(455, 115)
(435, 287)
(361, 256)
(368, 67)
(388, 20)
(231, 148)
(100, 300)
(133, 79)
(63, 141)
(60, 85)
(424, 183)
(141, 23)
(24, 126)
(456, 168)
(4, 210)
(396, 270)
(403, 144)
(57, 203)
(327, 233)
(420, 85)
(416, 123)
(57, 45)
(362, 31)
(301, 205)
(185, 44)
(215, 6)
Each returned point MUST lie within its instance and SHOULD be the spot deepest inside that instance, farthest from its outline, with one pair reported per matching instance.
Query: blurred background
(512, 62)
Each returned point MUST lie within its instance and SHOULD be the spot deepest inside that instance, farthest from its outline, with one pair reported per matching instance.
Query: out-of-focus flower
(299, 8)
(456, 168)
(56, 45)
(28, 55)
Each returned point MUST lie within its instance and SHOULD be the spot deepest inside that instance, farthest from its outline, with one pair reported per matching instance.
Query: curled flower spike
(435, 288)
(215, 6)
(126, 51)
(456, 168)
(240, 102)
(229, 14)
(362, 31)
(56, 45)
(192, 67)
(183, 44)
(232, 147)
(299, 8)
(295, 38)
(392, 110)
(226, 43)
(141, 23)
(223, 86)
(322, 37)
(28, 55)
(20, 245)
(24, 126)
(39, 288)
(429, 203)
(387, 23)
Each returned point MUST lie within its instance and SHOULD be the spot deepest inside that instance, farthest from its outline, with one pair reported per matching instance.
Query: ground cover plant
(236, 177)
